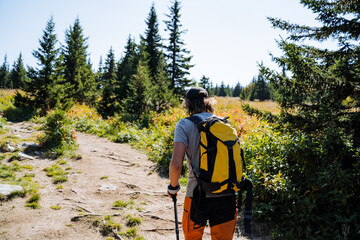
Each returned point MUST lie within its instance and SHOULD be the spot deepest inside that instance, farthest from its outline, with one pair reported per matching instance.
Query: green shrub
(125, 136)
(15, 107)
(300, 189)
(19, 114)
(59, 136)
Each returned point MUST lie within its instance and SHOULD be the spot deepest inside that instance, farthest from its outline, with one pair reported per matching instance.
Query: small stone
(6, 189)
(23, 155)
(35, 145)
(11, 149)
(107, 187)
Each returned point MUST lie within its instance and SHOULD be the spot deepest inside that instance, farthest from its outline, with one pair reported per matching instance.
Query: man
(218, 209)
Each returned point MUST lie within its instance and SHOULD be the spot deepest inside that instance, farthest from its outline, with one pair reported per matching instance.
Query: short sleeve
(180, 134)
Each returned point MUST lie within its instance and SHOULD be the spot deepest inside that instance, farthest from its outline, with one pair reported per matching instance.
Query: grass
(62, 162)
(14, 157)
(130, 233)
(8, 175)
(33, 201)
(56, 172)
(123, 204)
(109, 225)
(56, 207)
(132, 221)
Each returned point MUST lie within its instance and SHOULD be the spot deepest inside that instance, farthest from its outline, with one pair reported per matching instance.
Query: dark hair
(199, 105)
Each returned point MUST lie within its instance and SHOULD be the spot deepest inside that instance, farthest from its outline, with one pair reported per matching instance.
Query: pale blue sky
(226, 38)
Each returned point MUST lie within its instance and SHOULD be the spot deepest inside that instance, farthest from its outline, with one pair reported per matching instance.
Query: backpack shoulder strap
(195, 119)
(198, 121)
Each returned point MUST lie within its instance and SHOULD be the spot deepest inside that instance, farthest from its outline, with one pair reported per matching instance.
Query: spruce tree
(229, 90)
(205, 83)
(18, 73)
(319, 96)
(178, 57)
(324, 83)
(216, 90)
(248, 93)
(127, 67)
(45, 86)
(153, 42)
(261, 89)
(237, 90)
(109, 70)
(138, 100)
(107, 103)
(162, 94)
(222, 90)
(99, 74)
(78, 72)
(4, 74)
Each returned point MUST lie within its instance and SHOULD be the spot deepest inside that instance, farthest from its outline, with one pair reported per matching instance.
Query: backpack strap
(197, 120)
(194, 119)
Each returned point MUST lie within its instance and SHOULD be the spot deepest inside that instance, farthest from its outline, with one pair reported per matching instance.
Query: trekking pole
(176, 218)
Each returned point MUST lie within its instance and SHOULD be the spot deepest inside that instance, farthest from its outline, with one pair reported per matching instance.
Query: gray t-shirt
(187, 132)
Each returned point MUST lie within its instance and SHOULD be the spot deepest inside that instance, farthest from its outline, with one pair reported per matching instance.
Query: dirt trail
(106, 172)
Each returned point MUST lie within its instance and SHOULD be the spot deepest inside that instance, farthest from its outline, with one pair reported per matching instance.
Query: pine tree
(127, 67)
(162, 94)
(248, 93)
(222, 90)
(78, 72)
(322, 80)
(261, 89)
(99, 75)
(205, 83)
(109, 70)
(229, 90)
(45, 86)
(18, 74)
(153, 42)
(107, 103)
(216, 90)
(319, 96)
(138, 100)
(237, 90)
(4, 74)
(177, 55)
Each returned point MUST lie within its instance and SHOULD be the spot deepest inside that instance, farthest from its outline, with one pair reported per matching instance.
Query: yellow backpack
(221, 159)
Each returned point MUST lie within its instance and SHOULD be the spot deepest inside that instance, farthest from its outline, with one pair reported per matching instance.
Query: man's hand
(172, 191)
